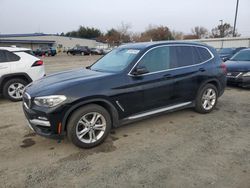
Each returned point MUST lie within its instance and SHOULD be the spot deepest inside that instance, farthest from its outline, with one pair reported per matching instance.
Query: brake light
(223, 67)
(37, 63)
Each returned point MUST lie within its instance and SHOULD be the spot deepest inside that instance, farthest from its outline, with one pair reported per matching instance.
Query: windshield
(241, 56)
(116, 60)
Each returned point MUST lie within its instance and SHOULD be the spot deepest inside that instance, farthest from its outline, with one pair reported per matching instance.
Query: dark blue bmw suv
(131, 82)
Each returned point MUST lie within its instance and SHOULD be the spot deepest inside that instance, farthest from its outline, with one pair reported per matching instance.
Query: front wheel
(89, 126)
(206, 99)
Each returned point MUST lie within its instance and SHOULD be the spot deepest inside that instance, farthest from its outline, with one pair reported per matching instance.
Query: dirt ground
(180, 149)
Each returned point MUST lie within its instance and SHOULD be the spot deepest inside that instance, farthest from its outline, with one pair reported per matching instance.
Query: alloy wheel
(209, 99)
(15, 90)
(91, 127)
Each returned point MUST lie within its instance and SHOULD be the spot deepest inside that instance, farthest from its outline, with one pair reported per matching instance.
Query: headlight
(246, 74)
(49, 101)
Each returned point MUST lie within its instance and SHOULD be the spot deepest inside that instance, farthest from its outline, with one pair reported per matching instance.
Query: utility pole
(221, 29)
(235, 19)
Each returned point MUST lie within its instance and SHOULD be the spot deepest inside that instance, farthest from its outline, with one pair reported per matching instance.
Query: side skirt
(157, 111)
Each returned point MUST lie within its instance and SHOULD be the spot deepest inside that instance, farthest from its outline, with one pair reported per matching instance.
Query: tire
(83, 119)
(206, 99)
(13, 89)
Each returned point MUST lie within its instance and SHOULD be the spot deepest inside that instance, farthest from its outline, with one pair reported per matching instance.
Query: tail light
(223, 67)
(37, 63)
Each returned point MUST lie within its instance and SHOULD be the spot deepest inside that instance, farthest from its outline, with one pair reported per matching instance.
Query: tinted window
(168, 57)
(185, 56)
(156, 59)
(11, 56)
(204, 54)
(182, 56)
(3, 57)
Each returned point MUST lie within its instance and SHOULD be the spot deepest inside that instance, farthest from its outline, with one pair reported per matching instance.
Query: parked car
(17, 69)
(239, 68)
(96, 51)
(107, 50)
(45, 51)
(80, 50)
(227, 53)
(131, 82)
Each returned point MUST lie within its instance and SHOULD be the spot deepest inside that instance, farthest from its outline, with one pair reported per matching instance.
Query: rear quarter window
(6, 56)
(12, 57)
(3, 57)
(204, 54)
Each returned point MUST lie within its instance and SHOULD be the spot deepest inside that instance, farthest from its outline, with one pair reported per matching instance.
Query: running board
(158, 110)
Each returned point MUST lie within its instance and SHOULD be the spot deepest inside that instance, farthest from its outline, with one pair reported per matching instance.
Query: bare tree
(200, 32)
(156, 33)
(177, 35)
(224, 30)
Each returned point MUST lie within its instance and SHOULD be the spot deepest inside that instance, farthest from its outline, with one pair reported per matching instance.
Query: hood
(238, 66)
(54, 83)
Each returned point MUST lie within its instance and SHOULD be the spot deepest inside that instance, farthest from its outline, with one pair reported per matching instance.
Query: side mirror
(140, 70)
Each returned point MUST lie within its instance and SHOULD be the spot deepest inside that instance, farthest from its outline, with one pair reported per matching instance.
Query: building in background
(232, 42)
(39, 40)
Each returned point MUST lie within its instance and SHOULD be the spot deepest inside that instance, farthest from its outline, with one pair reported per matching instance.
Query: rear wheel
(13, 89)
(206, 99)
(89, 126)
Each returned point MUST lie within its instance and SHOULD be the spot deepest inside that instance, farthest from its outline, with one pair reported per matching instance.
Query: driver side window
(156, 59)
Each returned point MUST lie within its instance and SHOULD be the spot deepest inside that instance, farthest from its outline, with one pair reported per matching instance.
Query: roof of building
(23, 35)
(14, 49)
(27, 41)
(38, 35)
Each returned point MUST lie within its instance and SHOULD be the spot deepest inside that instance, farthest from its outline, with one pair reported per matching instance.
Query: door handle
(202, 70)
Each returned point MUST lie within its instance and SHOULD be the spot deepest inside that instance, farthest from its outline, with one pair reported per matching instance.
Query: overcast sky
(56, 16)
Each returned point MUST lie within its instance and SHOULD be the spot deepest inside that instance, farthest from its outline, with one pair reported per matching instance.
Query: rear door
(187, 70)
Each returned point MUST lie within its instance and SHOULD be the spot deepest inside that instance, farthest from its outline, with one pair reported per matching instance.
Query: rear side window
(204, 54)
(3, 57)
(6, 56)
(11, 56)
(182, 56)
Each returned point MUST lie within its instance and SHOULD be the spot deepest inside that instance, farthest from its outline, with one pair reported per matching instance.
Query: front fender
(99, 101)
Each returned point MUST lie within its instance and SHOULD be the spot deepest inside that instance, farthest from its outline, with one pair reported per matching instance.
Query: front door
(157, 83)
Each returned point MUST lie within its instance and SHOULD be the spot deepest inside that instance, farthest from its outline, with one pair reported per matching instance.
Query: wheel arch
(214, 82)
(8, 77)
(101, 102)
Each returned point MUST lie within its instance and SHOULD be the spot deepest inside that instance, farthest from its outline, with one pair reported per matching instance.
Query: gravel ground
(180, 149)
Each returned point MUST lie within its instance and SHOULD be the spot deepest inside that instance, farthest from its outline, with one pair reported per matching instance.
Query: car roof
(246, 49)
(14, 49)
(144, 45)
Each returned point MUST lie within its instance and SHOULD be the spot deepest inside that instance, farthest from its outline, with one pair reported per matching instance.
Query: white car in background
(18, 67)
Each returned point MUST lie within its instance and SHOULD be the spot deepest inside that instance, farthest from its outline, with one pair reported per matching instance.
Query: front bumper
(43, 124)
(240, 81)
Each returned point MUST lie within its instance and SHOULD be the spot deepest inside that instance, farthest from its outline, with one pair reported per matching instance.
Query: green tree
(85, 32)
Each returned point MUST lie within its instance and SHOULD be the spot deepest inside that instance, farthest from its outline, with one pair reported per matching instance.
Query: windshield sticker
(132, 51)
